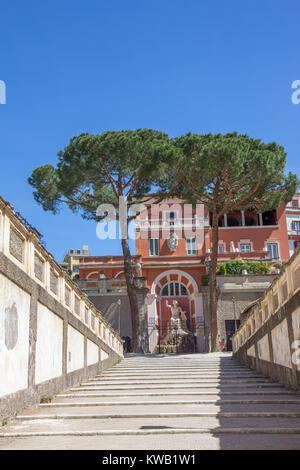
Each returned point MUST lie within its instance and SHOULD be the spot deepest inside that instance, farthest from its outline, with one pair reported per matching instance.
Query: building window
(171, 217)
(250, 221)
(245, 247)
(153, 246)
(273, 250)
(174, 289)
(296, 225)
(221, 248)
(233, 222)
(295, 203)
(191, 246)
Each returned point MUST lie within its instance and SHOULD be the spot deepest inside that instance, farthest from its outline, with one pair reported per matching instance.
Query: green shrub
(237, 266)
(204, 280)
(222, 270)
(46, 399)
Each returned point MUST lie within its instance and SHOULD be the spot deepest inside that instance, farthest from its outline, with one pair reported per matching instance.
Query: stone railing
(51, 335)
(108, 285)
(102, 286)
(269, 337)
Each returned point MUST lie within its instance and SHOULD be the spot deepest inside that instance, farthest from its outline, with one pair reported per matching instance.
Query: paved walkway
(186, 402)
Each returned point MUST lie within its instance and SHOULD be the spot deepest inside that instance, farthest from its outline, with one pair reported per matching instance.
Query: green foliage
(222, 271)
(4, 422)
(233, 172)
(236, 267)
(98, 169)
(46, 399)
(204, 280)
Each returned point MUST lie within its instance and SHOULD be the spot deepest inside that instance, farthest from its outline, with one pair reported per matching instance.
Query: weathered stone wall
(46, 345)
(269, 338)
(245, 289)
(107, 304)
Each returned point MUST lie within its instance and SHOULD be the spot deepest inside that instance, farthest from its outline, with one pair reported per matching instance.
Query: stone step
(174, 414)
(112, 378)
(94, 382)
(207, 396)
(191, 373)
(182, 366)
(176, 376)
(179, 441)
(179, 369)
(177, 360)
(181, 387)
(145, 407)
(172, 445)
(147, 364)
(174, 363)
(153, 425)
(270, 394)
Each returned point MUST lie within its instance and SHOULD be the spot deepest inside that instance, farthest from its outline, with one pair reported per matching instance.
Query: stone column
(142, 291)
(199, 317)
(243, 218)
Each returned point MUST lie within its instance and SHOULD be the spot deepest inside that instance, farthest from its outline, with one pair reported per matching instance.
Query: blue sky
(172, 65)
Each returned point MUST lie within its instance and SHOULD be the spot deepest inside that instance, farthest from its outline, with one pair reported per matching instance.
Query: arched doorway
(174, 290)
(180, 286)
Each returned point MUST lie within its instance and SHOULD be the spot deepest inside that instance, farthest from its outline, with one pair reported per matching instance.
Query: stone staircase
(184, 402)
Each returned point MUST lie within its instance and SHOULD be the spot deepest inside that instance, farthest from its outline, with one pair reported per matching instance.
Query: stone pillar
(200, 324)
(142, 291)
(206, 308)
(30, 260)
(6, 231)
(243, 218)
(32, 339)
(152, 316)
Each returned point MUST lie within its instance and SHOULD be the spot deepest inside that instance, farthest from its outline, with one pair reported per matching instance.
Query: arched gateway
(176, 285)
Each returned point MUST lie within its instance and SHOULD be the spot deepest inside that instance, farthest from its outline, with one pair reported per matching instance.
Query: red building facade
(173, 245)
(293, 223)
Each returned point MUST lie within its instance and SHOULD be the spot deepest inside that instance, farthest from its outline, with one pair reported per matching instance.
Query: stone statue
(232, 247)
(138, 267)
(177, 339)
(178, 318)
(173, 241)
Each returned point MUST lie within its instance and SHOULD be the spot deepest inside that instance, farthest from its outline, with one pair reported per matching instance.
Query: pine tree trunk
(213, 284)
(136, 333)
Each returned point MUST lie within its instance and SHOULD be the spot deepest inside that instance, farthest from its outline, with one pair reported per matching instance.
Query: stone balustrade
(22, 245)
(51, 335)
(269, 336)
